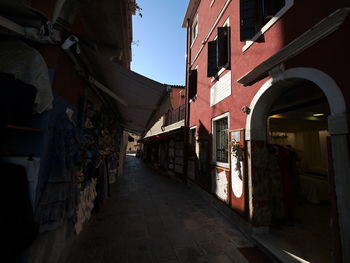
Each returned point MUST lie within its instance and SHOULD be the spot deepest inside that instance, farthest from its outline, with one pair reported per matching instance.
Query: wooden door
(238, 180)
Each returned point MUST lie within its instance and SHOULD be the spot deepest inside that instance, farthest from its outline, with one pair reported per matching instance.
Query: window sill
(268, 25)
(194, 40)
(222, 70)
(221, 165)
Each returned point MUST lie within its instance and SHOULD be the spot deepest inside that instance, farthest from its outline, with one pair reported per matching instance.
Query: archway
(257, 135)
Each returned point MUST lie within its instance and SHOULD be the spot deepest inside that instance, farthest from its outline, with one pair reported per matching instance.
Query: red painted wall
(66, 82)
(296, 21)
(328, 55)
(177, 97)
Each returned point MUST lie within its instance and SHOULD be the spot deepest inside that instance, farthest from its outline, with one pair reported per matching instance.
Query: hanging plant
(235, 148)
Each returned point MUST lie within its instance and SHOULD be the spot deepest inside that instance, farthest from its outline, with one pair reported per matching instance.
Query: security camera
(70, 41)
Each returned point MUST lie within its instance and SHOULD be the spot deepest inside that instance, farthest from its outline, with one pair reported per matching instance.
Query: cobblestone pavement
(152, 218)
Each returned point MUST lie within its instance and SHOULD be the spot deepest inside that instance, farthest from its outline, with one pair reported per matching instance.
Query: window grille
(221, 140)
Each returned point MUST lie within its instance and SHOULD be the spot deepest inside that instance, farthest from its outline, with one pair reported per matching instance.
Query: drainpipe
(187, 104)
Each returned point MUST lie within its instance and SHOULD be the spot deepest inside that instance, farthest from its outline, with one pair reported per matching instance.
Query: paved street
(152, 218)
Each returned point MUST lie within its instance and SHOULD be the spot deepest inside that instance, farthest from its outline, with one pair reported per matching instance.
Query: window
(192, 138)
(194, 30)
(192, 142)
(192, 86)
(220, 139)
(254, 14)
(219, 52)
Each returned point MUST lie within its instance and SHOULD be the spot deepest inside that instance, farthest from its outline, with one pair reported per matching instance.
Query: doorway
(297, 134)
(263, 106)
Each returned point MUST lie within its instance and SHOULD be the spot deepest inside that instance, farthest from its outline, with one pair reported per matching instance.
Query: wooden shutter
(248, 13)
(212, 58)
(223, 47)
(192, 84)
(271, 7)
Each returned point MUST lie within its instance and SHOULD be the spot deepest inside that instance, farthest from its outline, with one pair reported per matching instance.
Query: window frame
(268, 25)
(214, 160)
(194, 25)
(195, 96)
(192, 143)
(228, 64)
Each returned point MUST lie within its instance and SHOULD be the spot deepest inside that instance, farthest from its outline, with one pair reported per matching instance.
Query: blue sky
(159, 47)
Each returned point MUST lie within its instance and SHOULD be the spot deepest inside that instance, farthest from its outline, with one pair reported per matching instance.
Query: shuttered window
(212, 59)
(223, 49)
(254, 14)
(192, 137)
(192, 84)
(219, 52)
(271, 7)
(248, 14)
(194, 31)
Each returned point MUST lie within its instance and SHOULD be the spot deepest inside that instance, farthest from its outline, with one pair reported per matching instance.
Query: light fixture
(277, 116)
(318, 114)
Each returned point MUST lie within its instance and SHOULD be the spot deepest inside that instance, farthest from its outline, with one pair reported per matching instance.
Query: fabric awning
(140, 101)
(22, 14)
(162, 136)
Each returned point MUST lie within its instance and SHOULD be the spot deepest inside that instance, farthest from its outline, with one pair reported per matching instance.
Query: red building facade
(267, 91)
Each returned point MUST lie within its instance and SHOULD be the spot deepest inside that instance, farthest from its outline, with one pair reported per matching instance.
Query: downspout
(187, 103)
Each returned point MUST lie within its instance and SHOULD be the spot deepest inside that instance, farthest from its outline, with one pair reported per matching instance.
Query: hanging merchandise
(112, 168)
(32, 166)
(27, 65)
(14, 108)
(58, 196)
(85, 205)
(18, 228)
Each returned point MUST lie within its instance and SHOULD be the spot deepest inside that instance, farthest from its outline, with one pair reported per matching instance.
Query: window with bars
(221, 139)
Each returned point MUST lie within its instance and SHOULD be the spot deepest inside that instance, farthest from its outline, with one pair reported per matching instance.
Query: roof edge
(191, 10)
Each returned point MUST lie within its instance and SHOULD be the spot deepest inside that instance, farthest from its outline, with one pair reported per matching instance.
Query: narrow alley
(152, 218)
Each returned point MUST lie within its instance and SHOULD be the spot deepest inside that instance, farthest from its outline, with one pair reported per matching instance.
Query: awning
(21, 14)
(140, 101)
(17, 18)
(162, 136)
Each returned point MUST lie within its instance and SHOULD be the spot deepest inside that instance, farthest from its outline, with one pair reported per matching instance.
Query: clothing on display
(18, 228)
(16, 100)
(28, 66)
(59, 192)
(85, 205)
(32, 166)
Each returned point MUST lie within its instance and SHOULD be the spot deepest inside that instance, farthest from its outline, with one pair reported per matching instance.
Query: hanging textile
(26, 64)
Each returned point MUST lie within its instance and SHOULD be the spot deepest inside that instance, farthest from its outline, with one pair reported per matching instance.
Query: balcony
(175, 115)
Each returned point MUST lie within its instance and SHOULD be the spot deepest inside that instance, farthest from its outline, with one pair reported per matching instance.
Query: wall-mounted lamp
(245, 109)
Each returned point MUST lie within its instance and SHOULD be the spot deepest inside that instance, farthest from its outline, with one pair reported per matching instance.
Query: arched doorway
(279, 116)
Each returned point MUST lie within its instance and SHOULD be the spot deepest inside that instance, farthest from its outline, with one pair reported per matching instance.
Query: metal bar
(106, 90)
